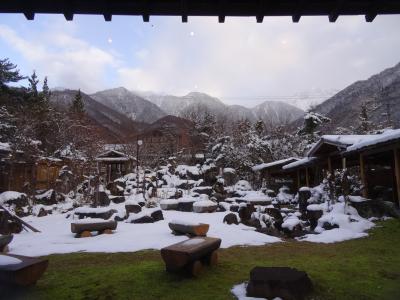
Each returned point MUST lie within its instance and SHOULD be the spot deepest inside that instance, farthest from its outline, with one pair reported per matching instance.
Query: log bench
(85, 229)
(181, 228)
(190, 255)
(4, 241)
(23, 270)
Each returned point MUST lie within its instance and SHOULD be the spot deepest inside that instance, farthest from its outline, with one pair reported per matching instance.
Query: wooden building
(273, 177)
(113, 164)
(375, 158)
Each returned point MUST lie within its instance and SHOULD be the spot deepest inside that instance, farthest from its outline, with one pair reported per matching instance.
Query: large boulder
(278, 282)
(117, 199)
(231, 218)
(313, 217)
(304, 195)
(116, 188)
(276, 215)
(157, 215)
(169, 204)
(15, 198)
(206, 190)
(132, 208)
(374, 208)
(245, 212)
(204, 206)
(8, 225)
(185, 204)
(94, 212)
(143, 219)
(101, 198)
(47, 198)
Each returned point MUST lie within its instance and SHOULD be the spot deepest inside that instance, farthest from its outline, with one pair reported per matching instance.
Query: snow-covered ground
(56, 236)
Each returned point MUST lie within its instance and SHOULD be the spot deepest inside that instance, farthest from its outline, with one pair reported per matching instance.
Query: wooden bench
(84, 229)
(190, 255)
(26, 272)
(4, 241)
(199, 229)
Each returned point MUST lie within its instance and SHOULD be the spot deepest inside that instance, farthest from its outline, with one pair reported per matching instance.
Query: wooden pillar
(330, 170)
(363, 176)
(298, 178)
(343, 163)
(396, 153)
(307, 178)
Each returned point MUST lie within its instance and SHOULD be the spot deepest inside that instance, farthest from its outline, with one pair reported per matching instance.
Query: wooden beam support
(184, 10)
(333, 17)
(344, 163)
(68, 16)
(221, 19)
(146, 18)
(296, 18)
(330, 170)
(107, 17)
(370, 17)
(396, 153)
(307, 178)
(298, 179)
(29, 16)
(363, 176)
(260, 18)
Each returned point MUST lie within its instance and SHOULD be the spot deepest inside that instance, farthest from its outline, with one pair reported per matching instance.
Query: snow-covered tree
(77, 105)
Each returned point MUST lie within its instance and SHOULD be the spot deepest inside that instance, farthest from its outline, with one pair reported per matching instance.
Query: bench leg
(196, 268)
(5, 249)
(106, 231)
(85, 233)
(211, 259)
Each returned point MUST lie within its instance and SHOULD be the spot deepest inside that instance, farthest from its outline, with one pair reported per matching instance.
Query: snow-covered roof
(343, 141)
(274, 163)
(299, 163)
(387, 136)
(112, 155)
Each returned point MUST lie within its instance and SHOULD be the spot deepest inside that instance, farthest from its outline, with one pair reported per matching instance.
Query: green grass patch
(367, 268)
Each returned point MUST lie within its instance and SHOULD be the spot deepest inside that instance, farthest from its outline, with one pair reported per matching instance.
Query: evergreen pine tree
(259, 127)
(46, 91)
(77, 106)
(33, 83)
(365, 124)
(8, 72)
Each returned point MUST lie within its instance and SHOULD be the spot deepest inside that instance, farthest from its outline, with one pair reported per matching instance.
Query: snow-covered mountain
(274, 112)
(115, 126)
(381, 92)
(130, 104)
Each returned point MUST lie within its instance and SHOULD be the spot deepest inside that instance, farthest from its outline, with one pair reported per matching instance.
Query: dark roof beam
(297, 15)
(184, 10)
(69, 16)
(334, 15)
(372, 13)
(222, 11)
(107, 17)
(29, 15)
(260, 11)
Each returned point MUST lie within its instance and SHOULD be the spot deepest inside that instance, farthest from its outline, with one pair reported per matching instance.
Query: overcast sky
(240, 61)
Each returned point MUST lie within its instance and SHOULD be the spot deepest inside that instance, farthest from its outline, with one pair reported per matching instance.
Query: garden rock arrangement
(282, 282)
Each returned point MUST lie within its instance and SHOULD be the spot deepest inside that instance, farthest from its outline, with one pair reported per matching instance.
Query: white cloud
(243, 58)
(68, 61)
(238, 58)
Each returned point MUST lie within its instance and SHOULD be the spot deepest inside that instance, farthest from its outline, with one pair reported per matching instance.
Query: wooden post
(363, 176)
(298, 178)
(396, 153)
(330, 165)
(344, 163)
(307, 178)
